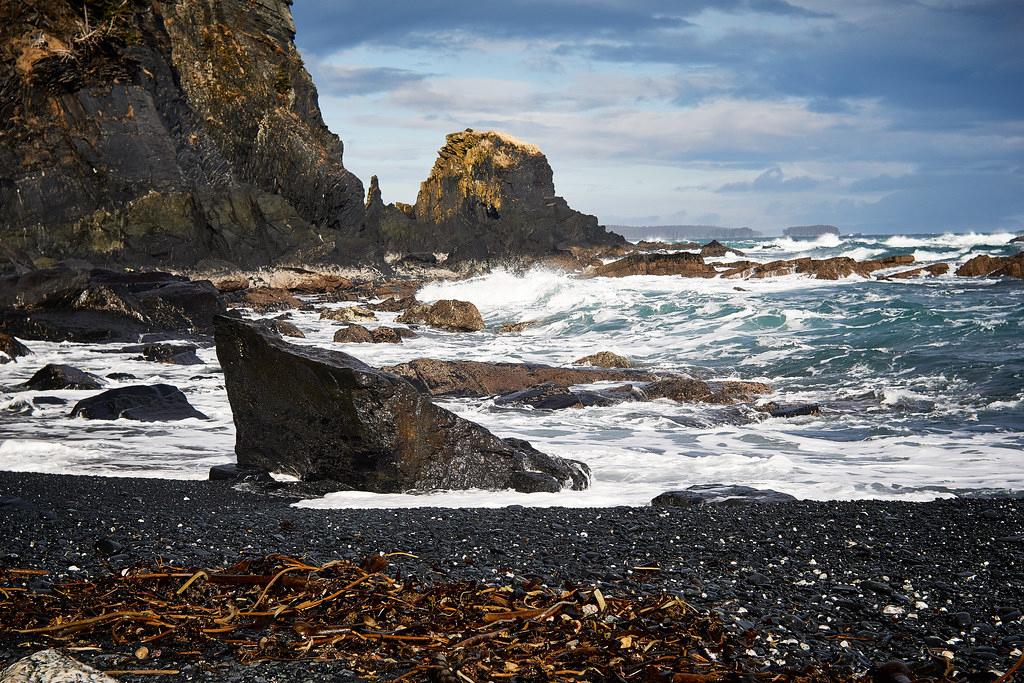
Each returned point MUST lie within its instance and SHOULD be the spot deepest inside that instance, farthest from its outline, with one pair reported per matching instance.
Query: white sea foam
(956, 240)
(888, 430)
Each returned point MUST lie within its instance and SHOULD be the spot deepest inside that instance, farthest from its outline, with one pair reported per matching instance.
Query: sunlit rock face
(488, 197)
(164, 133)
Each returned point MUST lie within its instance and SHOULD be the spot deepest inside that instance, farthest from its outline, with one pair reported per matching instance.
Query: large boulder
(719, 494)
(446, 314)
(678, 263)
(480, 378)
(156, 403)
(11, 349)
(993, 266)
(322, 414)
(604, 359)
(54, 377)
(68, 304)
(348, 314)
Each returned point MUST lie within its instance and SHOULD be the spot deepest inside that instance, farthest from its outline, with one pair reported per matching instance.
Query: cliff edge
(164, 133)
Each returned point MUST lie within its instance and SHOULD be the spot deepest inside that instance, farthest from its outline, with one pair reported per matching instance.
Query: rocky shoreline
(845, 585)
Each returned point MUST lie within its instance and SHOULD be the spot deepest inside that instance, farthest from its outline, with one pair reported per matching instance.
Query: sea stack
(488, 197)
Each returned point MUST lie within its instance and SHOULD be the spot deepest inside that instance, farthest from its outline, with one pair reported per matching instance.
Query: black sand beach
(844, 585)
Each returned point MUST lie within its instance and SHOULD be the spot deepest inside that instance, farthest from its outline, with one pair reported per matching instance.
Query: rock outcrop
(934, 270)
(323, 414)
(679, 263)
(714, 249)
(604, 359)
(156, 403)
(489, 197)
(446, 314)
(166, 132)
(834, 268)
(64, 304)
(720, 494)
(479, 378)
(993, 266)
(11, 349)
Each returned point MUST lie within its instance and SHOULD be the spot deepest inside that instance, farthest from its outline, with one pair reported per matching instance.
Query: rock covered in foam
(323, 414)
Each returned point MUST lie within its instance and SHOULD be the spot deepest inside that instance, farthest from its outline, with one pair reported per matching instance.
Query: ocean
(920, 383)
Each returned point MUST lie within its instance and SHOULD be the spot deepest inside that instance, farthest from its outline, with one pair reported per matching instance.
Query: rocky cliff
(489, 196)
(166, 132)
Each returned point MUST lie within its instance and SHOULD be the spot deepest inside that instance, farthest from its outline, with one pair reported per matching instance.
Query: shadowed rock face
(165, 133)
(325, 415)
(489, 196)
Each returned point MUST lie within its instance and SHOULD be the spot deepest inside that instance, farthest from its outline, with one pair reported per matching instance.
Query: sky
(873, 115)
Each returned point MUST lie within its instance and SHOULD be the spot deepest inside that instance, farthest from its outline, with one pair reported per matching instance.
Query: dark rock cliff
(166, 132)
(488, 197)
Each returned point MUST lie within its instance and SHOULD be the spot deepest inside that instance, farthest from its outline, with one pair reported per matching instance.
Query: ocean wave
(956, 240)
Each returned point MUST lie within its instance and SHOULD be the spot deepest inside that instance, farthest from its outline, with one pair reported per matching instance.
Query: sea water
(920, 382)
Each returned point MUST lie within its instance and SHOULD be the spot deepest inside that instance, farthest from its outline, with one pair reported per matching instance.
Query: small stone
(106, 547)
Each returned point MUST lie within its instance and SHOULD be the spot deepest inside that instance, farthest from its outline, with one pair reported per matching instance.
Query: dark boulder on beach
(323, 414)
(719, 494)
(156, 403)
(11, 349)
(447, 314)
(71, 304)
(55, 377)
(679, 263)
(480, 378)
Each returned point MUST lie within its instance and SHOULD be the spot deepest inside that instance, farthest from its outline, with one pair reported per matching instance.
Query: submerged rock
(11, 349)
(550, 397)
(51, 666)
(516, 328)
(65, 304)
(171, 354)
(156, 403)
(604, 359)
(834, 268)
(934, 270)
(269, 299)
(719, 494)
(786, 411)
(323, 414)
(54, 377)
(680, 263)
(446, 314)
(479, 378)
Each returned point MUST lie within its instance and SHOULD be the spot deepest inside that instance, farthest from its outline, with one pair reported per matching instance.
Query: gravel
(845, 584)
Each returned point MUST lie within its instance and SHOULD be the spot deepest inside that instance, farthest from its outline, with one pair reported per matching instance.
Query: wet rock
(55, 377)
(121, 376)
(893, 672)
(604, 359)
(993, 266)
(11, 349)
(105, 547)
(719, 494)
(835, 268)
(692, 390)
(323, 414)
(934, 270)
(394, 304)
(681, 263)
(386, 335)
(235, 473)
(285, 329)
(171, 354)
(269, 299)
(156, 403)
(48, 401)
(785, 411)
(478, 378)
(714, 248)
(515, 328)
(305, 281)
(534, 482)
(353, 334)
(51, 666)
(550, 397)
(446, 314)
(348, 314)
(97, 306)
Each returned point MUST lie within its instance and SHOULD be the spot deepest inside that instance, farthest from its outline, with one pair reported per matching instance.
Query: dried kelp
(281, 608)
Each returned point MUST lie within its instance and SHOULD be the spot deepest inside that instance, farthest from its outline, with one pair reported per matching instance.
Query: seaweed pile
(383, 627)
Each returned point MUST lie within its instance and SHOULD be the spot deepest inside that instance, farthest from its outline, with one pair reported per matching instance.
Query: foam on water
(921, 383)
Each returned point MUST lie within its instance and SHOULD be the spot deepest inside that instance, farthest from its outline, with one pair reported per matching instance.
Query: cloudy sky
(874, 115)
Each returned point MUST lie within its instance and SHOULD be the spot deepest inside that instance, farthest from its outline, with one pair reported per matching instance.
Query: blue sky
(877, 116)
